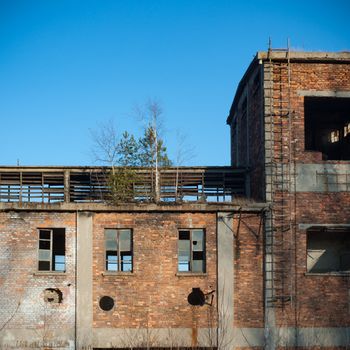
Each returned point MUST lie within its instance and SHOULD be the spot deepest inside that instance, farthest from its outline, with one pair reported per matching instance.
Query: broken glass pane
(184, 235)
(44, 265)
(45, 234)
(197, 240)
(44, 245)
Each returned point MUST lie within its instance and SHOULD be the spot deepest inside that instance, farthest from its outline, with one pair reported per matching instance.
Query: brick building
(256, 255)
(290, 127)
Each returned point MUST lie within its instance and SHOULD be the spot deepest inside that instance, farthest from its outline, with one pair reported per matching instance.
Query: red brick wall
(21, 301)
(248, 271)
(320, 301)
(153, 295)
(315, 77)
(252, 121)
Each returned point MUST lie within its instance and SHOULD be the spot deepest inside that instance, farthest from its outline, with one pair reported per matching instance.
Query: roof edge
(281, 55)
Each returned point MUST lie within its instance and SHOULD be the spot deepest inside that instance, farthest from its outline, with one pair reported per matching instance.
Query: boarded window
(52, 250)
(328, 250)
(118, 249)
(191, 250)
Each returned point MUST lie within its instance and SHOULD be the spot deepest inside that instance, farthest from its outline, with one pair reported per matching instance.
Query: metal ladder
(278, 244)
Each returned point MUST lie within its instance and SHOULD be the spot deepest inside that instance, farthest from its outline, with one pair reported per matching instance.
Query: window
(328, 250)
(347, 129)
(191, 251)
(52, 250)
(118, 248)
(327, 127)
(334, 136)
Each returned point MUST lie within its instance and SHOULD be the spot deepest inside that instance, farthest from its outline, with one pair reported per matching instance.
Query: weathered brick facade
(275, 213)
(305, 190)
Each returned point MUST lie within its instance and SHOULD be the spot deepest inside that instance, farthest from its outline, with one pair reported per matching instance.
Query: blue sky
(66, 66)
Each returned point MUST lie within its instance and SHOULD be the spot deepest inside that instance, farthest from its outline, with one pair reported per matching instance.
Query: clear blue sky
(65, 66)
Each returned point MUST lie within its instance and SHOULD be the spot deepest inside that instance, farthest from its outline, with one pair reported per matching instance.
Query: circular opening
(106, 303)
(196, 297)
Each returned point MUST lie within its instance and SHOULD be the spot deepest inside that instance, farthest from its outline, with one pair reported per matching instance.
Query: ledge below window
(191, 274)
(118, 274)
(328, 274)
(49, 273)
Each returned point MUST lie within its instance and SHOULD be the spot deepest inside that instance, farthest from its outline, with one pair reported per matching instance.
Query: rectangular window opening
(327, 127)
(52, 250)
(191, 251)
(328, 250)
(118, 250)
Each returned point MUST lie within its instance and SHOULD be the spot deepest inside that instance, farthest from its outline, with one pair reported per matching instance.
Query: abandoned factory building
(252, 255)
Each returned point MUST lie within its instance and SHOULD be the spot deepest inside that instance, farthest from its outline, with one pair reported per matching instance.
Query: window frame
(51, 261)
(118, 271)
(329, 233)
(204, 267)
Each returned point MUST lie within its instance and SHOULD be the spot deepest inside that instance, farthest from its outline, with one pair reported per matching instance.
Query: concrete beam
(322, 177)
(225, 280)
(84, 302)
(326, 93)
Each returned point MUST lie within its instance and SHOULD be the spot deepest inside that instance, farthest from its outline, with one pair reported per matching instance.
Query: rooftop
(53, 184)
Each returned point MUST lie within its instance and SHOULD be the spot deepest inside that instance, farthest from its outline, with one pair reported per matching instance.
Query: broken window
(327, 127)
(191, 251)
(118, 248)
(52, 250)
(328, 249)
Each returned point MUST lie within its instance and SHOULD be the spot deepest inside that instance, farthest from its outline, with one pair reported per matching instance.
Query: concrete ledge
(305, 56)
(242, 337)
(244, 205)
(321, 177)
(57, 339)
(326, 93)
(307, 337)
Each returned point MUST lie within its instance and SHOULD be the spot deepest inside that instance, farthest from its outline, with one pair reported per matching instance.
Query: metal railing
(90, 184)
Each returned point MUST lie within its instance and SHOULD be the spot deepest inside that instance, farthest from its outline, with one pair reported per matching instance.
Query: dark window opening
(106, 303)
(52, 250)
(327, 127)
(118, 249)
(191, 251)
(328, 250)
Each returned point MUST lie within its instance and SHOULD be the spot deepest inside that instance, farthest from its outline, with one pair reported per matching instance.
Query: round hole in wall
(196, 297)
(106, 303)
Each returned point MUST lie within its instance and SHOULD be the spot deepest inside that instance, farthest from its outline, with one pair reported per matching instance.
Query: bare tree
(122, 153)
(105, 140)
(184, 153)
(151, 114)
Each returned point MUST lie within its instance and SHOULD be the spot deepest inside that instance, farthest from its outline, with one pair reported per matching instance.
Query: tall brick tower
(290, 122)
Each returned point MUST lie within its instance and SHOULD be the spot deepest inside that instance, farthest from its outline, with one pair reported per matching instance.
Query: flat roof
(282, 54)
